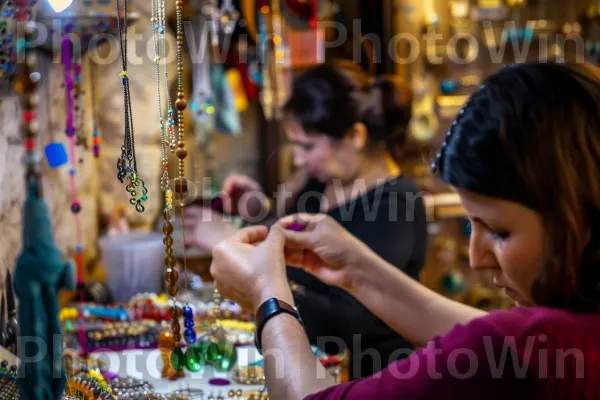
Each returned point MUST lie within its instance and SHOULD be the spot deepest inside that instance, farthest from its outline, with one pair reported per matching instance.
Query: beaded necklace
(127, 163)
(67, 61)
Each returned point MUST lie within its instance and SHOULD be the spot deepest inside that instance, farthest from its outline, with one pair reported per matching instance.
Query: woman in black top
(346, 129)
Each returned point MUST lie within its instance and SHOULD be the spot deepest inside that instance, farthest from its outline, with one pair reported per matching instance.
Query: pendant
(193, 359)
(134, 183)
(177, 359)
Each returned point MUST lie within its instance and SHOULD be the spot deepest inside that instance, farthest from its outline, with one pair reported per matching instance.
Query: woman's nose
(481, 250)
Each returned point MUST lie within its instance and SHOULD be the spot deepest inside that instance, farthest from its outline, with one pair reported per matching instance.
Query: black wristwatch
(268, 310)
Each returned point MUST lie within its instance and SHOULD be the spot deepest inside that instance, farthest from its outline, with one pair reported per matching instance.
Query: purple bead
(189, 336)
(296, 227)
(187, 312)
(70, 132)
(75, 207)
(72, 172)
(79, 248)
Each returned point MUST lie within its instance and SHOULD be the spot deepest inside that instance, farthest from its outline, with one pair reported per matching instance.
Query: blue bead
(56, 154)
(124, 81)
(187, 312)
(72, 172)
(79, 248)
(95, 134)
(144, 197)
(10, 37)
(188, 323)
(189, 336)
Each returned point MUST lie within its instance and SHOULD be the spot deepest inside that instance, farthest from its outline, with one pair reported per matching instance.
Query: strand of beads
(30, 100)
(75, 205)
(178, 359)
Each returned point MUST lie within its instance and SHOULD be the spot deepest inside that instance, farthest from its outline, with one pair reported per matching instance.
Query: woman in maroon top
(524, 156)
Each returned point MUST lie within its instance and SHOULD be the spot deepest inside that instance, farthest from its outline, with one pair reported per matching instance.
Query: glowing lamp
(60, 5)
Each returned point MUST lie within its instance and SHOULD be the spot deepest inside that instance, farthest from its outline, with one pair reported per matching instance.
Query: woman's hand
(204, 228)
(244, 196)
(249, 267)
(325, 249)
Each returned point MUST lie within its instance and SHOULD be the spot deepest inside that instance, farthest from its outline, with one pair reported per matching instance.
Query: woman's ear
(358, 136)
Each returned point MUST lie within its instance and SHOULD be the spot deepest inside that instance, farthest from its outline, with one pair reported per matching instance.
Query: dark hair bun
(331, 98)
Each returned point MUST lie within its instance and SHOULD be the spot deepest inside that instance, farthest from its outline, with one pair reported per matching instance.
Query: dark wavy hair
(531, 134)
(330, 98)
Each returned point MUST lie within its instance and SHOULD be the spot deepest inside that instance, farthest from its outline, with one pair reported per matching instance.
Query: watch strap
(267, 310)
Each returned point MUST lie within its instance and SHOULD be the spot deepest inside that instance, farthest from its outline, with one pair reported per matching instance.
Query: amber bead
(180, 95)
(165, 340)
(177, 337)
(175, 312)
(175, 326)
(169, 251)
(172, 275)
(167, 215)
(181, 104)
(170, 261)
(168, 241)
(181, 153)
(181, 186)
(167, 228)
(173, 289)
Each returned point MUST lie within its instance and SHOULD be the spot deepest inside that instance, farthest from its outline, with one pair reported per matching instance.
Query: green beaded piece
(177, 359)
(193, 359)
(136, 182)
(227, 359)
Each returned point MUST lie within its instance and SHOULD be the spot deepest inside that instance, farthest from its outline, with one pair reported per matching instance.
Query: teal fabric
(39, 274)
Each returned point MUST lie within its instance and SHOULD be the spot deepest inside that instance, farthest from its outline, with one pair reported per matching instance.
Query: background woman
(345, 129)
(524, 156)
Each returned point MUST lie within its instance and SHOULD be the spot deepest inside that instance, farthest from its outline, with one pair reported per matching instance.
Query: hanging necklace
(67, 60)
(127, 163)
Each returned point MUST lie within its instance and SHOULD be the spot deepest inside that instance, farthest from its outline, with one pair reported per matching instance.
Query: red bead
(96, 141)
(28, 116)
(29, 144)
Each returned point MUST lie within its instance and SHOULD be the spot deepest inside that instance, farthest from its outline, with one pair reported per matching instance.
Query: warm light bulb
(60, 5)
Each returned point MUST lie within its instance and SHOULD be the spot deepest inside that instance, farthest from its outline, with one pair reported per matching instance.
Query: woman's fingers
(250, 235)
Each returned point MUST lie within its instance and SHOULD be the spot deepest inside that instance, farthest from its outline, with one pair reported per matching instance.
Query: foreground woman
(524, 156)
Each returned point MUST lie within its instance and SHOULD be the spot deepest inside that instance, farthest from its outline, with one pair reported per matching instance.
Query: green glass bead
(201, 348)
(144, 197)
(193, 359)
(134, 193)
(177, 359)
(209, 351)
(227, 359)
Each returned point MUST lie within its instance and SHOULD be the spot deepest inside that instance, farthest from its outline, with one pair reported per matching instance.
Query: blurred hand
(249, 267)
(243, 196)
(204, 228)
(324, 248)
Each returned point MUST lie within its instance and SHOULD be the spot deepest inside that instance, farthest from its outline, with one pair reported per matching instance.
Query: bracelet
(268, 310)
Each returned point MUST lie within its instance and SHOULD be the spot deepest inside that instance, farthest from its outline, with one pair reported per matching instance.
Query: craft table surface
(147, 365)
